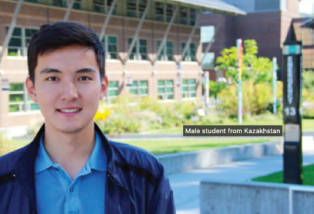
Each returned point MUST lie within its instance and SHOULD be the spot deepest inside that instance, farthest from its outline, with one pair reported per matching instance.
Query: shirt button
(56, 169)
(71, 189)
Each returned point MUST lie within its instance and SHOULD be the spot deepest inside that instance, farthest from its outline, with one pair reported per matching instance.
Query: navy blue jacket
(136, 182)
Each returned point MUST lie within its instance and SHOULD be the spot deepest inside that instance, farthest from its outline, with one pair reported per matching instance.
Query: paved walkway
(186, 185)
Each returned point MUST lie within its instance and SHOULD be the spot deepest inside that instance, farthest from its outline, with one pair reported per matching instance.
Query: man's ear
(103, 89)
(30, 86)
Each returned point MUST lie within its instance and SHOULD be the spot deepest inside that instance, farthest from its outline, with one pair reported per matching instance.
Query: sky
(306, 6)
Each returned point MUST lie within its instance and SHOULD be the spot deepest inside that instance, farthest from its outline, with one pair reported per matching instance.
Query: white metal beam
(211, 42)
(164, 40)
(139, 27)
(183, 53)
(191, 36)
(104, 27)
(311, 33)
(70, 6)
(11, 28)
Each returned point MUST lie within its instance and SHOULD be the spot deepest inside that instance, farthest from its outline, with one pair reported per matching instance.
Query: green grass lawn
(161, 146)
(307, 125)
(167, 146)
(308, 176)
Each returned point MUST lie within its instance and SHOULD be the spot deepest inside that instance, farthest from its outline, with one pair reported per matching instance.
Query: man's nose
(69, 91)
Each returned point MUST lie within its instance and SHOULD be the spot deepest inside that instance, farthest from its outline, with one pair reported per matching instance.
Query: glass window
(159, 11)
(143, 49)
(32, 1)
(209, 60)
(131, 8)
(188, 88)
(165, 89)
(192, 16)
(133, 52)
(183, 15)
(111, 46)
(192, 52)
(141, 7)
(169, 12)
(168, 56)
(19, 101)
(169, 51)
(60, 3)
(108, 5)
(184, 58)
(162, 53)
(20, 41)
(139, 87)
(99, 6)
(63, 3)
(113, 89)
(139, 51)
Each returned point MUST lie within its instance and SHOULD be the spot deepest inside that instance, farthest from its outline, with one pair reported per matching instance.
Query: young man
(71, 167)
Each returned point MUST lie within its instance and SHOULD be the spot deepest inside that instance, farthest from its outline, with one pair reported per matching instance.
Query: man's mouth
(69, 111)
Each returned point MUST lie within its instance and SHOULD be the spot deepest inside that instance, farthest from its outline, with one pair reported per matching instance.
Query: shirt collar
(97, 159)
(43, 160)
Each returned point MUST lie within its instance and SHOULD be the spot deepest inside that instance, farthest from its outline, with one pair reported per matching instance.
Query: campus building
(267, 21)
(153, 47)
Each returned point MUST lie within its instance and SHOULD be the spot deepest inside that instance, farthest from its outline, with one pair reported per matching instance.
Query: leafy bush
(256, 98)
(216, 87)
(307, 103)
(127, 116)
(308, 94)
(308, 80)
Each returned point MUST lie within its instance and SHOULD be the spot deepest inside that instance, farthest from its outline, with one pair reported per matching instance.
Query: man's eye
(52, 78)
(84, 78)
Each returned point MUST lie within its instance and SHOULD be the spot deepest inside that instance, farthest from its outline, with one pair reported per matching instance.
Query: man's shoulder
(8, 161)
(137, 158)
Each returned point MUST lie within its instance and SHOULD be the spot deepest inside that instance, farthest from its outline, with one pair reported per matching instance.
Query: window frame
(189, 86)
(21, 51)
(106, 46)
(135, 53)
(27, 102)
(77, 5)
(165, 94)
(138, 88)
(188, 19)
(104, 4)
(188, 57)
(113, 89)
(164, 53)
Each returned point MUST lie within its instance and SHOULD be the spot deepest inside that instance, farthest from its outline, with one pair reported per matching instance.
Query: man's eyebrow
(86, 70)
(50, 70)
(53, 70)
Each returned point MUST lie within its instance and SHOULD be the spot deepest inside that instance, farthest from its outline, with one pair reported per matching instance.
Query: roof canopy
(212, 5)
(308, 23)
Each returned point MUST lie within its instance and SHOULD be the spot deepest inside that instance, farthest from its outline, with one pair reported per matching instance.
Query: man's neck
(70, 150)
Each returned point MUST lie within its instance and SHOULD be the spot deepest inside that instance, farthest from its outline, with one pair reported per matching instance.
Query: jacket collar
(25, 167)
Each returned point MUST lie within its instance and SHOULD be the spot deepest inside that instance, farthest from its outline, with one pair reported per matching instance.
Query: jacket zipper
(29, 198)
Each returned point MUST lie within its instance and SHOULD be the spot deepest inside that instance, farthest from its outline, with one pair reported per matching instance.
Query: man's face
(67, 88)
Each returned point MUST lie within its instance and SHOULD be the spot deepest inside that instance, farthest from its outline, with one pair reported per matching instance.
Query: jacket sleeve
(162, 201)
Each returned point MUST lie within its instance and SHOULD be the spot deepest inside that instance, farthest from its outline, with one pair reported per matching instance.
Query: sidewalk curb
(186, 161)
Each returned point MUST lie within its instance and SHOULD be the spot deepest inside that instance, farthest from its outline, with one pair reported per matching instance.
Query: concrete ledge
(224, 197)
(181, 162)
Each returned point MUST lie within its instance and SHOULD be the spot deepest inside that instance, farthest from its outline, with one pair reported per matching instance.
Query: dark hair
(61, 34)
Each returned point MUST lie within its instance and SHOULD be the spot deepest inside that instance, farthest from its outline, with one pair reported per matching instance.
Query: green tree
(258, 69)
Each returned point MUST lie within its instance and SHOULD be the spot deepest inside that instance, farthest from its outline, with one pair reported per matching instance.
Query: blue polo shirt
(57, 193)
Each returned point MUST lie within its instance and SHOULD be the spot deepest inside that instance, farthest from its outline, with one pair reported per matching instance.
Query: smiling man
(71, 167)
